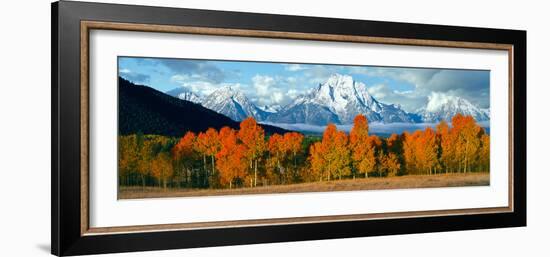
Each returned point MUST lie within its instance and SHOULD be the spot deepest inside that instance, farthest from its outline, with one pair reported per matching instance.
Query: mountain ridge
(338, 100)
(149, 111)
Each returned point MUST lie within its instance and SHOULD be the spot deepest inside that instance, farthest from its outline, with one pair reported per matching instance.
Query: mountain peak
(443, 107)
(233, 103)
(437, 101)
(339, 80)
(184, 94)
(338, 100)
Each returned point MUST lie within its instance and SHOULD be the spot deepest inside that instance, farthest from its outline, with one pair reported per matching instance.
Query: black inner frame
(65, 165)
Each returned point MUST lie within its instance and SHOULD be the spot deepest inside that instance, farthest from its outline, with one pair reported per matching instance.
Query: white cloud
(410, 100)
(472, 85)
(435, 100)
(124, 71)
(180, 78)
(278, 90)
(277, 97)
(294, 67)
(262, 84)
(292, 93)
(198, 86)
(415, 76)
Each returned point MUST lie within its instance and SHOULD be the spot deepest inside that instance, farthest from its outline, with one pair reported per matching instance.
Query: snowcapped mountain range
(338, 100)
(184, 94)
(444, 107)
(233, 104)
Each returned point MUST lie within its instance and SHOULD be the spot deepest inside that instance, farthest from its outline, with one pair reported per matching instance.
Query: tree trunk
(329, 171)
(465, 163)
(186, 176)
(205, 170)
(255, 171)
(213, 166)
(294, 161)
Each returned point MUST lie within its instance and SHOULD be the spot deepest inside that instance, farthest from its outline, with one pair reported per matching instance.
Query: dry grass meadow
(404, 182)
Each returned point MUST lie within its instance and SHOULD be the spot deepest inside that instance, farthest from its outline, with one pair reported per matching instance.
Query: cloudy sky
(279, 83)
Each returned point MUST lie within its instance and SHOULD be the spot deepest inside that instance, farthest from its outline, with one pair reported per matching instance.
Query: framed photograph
(178, 128)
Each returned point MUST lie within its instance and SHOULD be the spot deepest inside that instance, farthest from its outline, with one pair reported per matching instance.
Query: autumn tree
(161, 168)
(340, 155)
(128, 156)
(209, 145)
(335, 152)
(467, 142)
(293, 144)
(277, 153)
(446, 141)
(145, 157)
(484, 153)
(427, 150)
(390, 164)
(253, 138)
(409, 150)
(362, 147)
(394, 144)
(317, 159)
(184, 153)
(231, 159)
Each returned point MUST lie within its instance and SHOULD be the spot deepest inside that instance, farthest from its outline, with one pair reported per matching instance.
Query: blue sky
(268, 83)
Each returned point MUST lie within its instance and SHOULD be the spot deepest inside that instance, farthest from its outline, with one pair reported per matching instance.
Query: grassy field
(412, 181)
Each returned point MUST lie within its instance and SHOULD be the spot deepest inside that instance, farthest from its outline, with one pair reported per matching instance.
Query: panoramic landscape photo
(190, 127)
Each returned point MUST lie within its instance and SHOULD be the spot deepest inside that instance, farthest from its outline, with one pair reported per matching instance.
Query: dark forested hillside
(146, 110)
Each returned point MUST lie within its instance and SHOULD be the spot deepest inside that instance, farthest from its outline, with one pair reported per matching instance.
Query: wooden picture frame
(71, 25)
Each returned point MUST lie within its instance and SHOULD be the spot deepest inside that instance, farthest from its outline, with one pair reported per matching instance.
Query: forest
(248, 157)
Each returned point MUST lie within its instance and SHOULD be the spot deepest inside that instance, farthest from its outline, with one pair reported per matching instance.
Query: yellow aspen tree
(362, 151)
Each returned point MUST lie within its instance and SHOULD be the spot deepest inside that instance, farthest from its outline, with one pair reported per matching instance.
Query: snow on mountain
(271, 108)
(444, 107)
(233, 104)
(184, 94)
(339, 100)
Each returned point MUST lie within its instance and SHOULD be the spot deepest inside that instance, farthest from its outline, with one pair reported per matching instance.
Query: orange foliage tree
(277, 154)
(467, 142)
(446, 141)
(231, 159)
(184, 153)
(293, 144)
(462, 146)
(208, 144)
(161, 168)
(253, 138)
(420, 151)
(427, 151)
(390, 164)
(409, 150)
(362, 147)
(333, 153)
